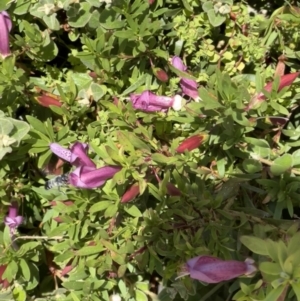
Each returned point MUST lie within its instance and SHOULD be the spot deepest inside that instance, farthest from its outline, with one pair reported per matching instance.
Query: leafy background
(239, 190)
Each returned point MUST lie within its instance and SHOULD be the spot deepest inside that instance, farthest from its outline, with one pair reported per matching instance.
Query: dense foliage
(91, 89)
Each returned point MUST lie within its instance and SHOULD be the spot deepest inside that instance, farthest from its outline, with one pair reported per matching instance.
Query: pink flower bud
(213, 270)
(131, 193)
(285, 81)
(173, 190)
(46, 101)
(191, 143)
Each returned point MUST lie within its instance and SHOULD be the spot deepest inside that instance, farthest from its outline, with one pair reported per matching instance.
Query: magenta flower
(149, 102)
(213, 270)
(88, 177)
(188, 86)
(13, 220)
(76, 155)
(5, 28)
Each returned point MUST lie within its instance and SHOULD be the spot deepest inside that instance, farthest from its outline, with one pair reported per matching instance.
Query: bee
(58, 181)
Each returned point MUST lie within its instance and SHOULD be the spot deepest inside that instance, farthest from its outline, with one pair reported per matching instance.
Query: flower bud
(191, 143)
(131, 193)
(47, 101)
(173, 190)
(160, 74)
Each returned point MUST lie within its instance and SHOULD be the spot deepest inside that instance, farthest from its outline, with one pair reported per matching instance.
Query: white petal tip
(177, 103)
(115, 298)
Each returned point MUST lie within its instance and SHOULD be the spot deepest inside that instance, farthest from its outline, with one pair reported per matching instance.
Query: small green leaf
(141, 296)
(255, 244)
(133, 211)
(136, 85)
(100, 206)
(252, 166)
(270, 268)
(90, 250)
(25, 269)
(282, 164)
(215, 19)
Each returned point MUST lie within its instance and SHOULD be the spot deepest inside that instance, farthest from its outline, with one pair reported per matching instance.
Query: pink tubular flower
(88, 177)
(188, 86)
(149, 102)
(284, 81)
(211, 269)
(5, 28)
(13, 220)
(76, 155)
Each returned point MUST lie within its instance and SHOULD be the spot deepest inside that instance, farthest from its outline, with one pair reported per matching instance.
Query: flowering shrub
(149, 150)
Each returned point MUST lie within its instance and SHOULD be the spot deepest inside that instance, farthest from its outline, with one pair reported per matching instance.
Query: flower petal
(178, 63)
(87, 177)
(61, 152)
(5, 27)
(13, 209)
(79, 155)
(189, 87)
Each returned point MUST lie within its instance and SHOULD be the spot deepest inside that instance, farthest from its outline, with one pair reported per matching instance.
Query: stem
(212, 291)
(41, 237)
(268, 162)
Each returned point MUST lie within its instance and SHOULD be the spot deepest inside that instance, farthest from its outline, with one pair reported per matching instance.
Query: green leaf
(25, 269)
(296, 289)
(51, 21)
(136, 85)
(160, 158)
(97, 91)
(4, 4)
(282, 164)
(275, 293)
(215, 19)
(141, 296)
(6, 126)
(252, 166)
(270, 268)
(90, 250)
(22, 7)
(293, 244)
(124, 34)
(79, 14)
(254, 244)
(133, 211)
(19, 293)
(100, 206)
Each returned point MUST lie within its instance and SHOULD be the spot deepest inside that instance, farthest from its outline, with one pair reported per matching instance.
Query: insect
(58, 181)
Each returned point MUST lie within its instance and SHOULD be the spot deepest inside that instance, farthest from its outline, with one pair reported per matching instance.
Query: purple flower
(76, 155)
(213, 270)
(88, 177)
(149, 102)
(13, 220)
(5, 28)
(189, 87)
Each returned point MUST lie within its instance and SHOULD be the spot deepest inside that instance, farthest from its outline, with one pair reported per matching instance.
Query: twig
(40, 237)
